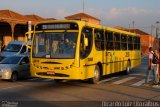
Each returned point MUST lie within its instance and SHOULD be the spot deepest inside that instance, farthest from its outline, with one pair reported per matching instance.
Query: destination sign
(57, 26)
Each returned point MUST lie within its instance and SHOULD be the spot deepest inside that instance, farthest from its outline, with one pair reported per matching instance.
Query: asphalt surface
(47, 93)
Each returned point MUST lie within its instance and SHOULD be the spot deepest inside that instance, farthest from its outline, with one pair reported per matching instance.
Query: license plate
(51, 73)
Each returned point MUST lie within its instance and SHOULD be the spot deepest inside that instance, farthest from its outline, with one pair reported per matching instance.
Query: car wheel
(14, 77)
(96, 77)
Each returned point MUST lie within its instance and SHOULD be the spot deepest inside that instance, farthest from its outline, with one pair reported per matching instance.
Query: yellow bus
(71, 49)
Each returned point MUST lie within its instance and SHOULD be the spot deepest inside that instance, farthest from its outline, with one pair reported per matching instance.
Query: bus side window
(124, 42)
(117, 39)
(85, 51)
(109, 39)
(99, 39)
(136, 43)
(130, 43)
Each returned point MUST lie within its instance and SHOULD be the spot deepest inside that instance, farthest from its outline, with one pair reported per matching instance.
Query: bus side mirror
(28, 46)
(28, 40)
(29, 35)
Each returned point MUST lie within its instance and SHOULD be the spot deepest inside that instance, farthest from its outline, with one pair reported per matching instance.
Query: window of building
(109, 40)
(99, 39)
(117, 39)
(124, 42)
(85, 50)
(130, 43)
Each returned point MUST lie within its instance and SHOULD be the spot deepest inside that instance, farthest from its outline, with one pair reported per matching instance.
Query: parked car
(15, 48)
(14, 67)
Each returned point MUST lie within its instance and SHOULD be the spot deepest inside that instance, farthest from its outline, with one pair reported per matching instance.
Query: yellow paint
(112, 61)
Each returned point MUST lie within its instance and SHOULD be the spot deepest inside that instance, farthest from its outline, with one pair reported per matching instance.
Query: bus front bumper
(71, 73)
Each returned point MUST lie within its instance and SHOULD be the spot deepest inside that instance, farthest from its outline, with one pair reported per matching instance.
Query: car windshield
(11, 60)
(13, 47)
(55, 45)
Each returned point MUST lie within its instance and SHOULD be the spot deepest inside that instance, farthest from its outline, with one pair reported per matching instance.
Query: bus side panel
(118, 61)
(90, 63)
(136, 58)
(110, 62)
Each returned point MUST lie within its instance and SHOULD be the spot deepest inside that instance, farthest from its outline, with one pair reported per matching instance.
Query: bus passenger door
(99, 55)
(86, 59)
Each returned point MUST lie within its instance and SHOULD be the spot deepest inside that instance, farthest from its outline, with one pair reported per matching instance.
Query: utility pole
(83, 6)
(129, 27)
(157, 33)
(152, 30)
(29, 29)
(133, 26)
(151, 35)
(157, 29)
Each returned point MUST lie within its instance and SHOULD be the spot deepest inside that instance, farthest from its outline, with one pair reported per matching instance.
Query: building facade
(84, 17)
(13, 26)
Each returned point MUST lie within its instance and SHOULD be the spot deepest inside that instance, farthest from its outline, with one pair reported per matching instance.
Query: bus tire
(14, 77)
(58, 80)
(97, 75)
(128, 68)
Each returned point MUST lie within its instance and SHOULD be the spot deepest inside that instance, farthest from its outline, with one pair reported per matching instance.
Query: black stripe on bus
(51, 62)
(90, 64)
(110, 62)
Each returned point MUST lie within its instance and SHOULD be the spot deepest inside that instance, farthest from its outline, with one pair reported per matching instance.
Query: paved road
(46, 92)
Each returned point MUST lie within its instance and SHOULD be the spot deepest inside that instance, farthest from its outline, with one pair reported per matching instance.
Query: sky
(143, 13)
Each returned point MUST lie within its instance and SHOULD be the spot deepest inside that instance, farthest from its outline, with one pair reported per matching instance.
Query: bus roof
(89, 24)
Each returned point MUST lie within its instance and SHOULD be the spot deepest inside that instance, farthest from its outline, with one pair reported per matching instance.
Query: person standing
(159, 67)
(0, 46)
(152, 67)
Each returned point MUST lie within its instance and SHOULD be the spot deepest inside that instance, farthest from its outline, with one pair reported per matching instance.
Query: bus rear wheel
(128, 68)
(96, 77)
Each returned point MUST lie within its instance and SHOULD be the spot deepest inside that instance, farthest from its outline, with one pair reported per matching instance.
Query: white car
(14, 67)
(15, 48)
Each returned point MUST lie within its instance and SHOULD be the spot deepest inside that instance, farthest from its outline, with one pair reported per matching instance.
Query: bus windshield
(54, 45)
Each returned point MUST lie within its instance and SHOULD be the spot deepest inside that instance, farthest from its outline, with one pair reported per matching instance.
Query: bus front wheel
(58, 80)
(96, 77)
